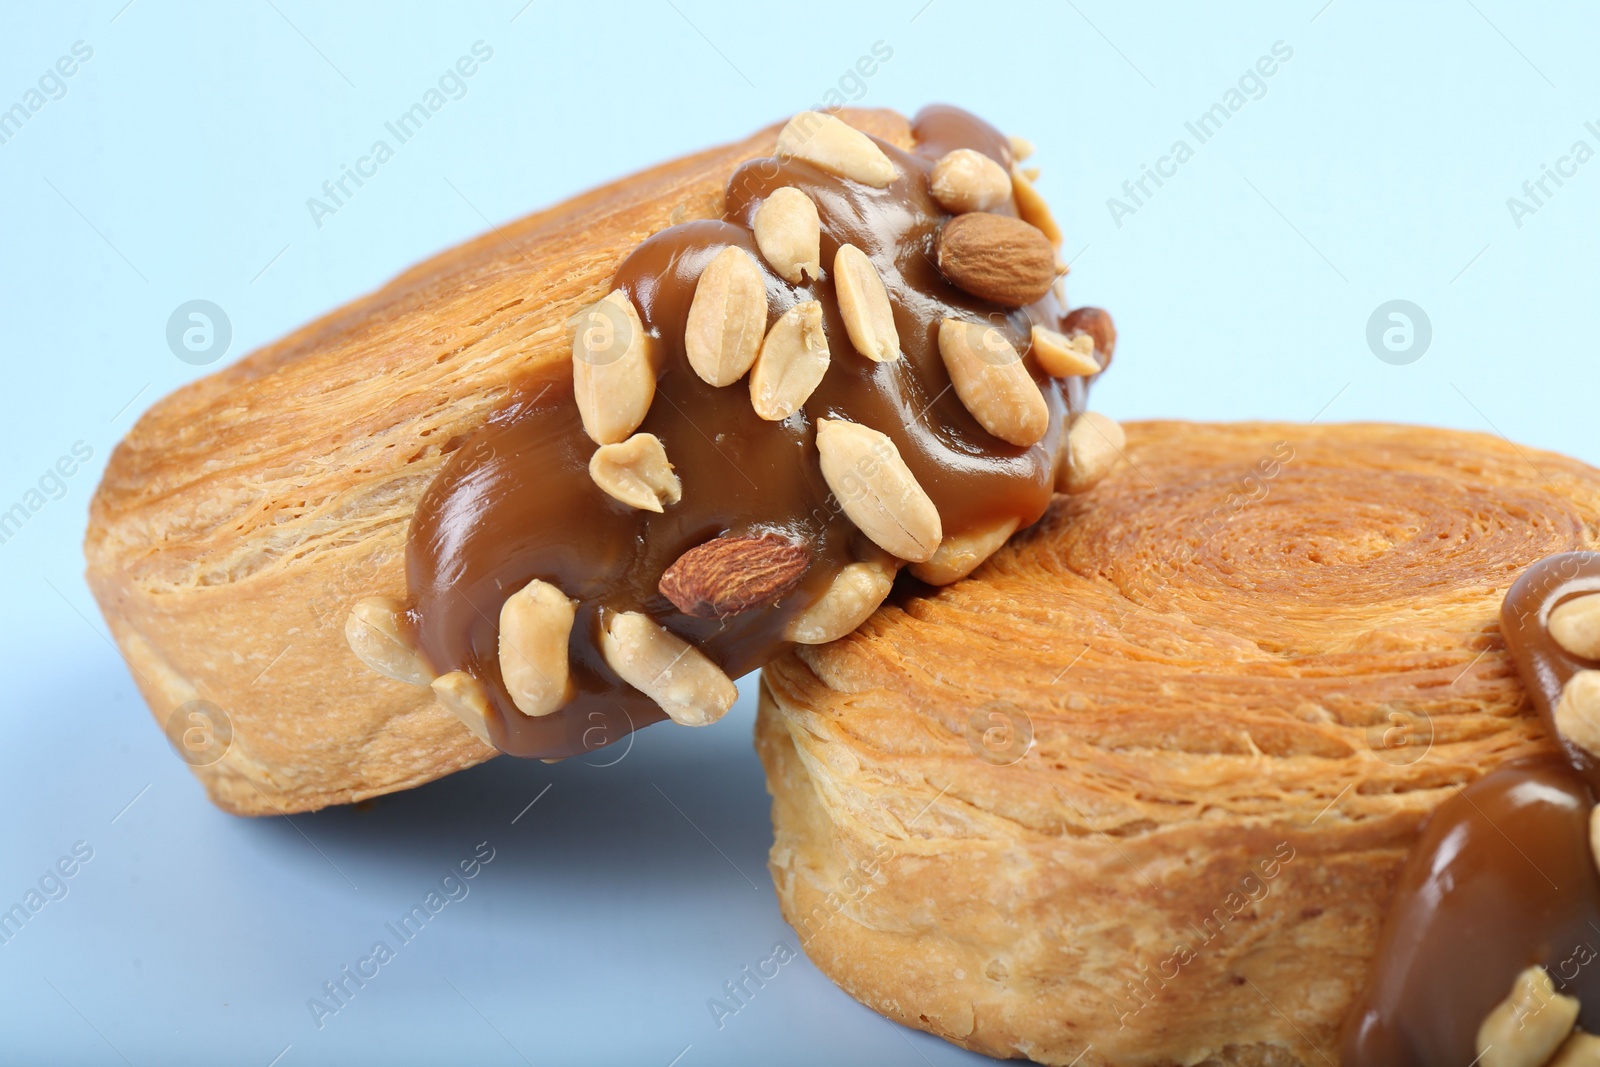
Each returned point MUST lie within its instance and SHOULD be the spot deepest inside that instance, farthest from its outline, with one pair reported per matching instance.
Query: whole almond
(729, 575)
(1096, 322)
(997, 257)
(727, 317)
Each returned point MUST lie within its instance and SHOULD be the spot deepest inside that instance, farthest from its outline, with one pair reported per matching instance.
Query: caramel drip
(516, 501)
(1502, 878)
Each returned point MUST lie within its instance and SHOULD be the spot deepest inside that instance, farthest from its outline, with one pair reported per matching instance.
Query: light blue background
(1376, 166)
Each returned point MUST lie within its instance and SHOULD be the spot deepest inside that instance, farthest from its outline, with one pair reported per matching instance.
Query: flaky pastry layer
(1251, 663)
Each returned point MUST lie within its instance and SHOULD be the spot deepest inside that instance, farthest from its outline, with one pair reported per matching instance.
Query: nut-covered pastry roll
(577, 476)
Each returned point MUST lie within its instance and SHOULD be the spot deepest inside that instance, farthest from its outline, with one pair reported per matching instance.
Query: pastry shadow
(664, 810)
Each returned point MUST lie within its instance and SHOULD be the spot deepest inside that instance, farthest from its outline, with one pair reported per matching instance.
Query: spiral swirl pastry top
(1146, 783)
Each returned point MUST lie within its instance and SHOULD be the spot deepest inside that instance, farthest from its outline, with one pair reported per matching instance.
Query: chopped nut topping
(991, 380)
(1062, 356)
(864, 303)
(463, 696)
(1094, 445)
(837, 148)
(793, 361)
(877, 490)
(535, 624)
(377, 633)
(636, 472)
(967, 180)
(727, 318)
(1526, 1028)
(854, 594)
(961, 554)
(1575, 626)
(612, 379)
(789, 234)
(680, 678)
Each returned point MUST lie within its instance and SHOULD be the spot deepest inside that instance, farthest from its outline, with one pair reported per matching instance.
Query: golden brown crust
(1217, 658)
(245, 513)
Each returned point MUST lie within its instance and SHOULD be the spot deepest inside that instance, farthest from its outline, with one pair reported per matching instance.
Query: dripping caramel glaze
(515, 502)
(1502, 877)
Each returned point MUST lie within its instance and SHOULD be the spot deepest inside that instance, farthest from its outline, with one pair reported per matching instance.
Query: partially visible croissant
(244, 514)
(1137, 793)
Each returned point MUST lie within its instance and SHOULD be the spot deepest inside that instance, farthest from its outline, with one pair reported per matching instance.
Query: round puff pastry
(245, 513)
(1138, 792)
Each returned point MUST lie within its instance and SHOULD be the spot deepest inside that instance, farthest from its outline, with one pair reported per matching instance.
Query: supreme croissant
(574, 477)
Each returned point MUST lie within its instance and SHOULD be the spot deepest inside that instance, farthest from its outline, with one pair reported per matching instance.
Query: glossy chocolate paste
(1502, 878)
(516, 502)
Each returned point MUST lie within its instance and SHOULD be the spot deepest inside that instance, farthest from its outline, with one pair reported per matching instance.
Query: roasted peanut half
(837, 148)
(793, 361)
(853, 595)
(1577, 714)
(727, 318)
(1062, 356)
(1094, 444)
(876, 489)
(864, 304)
(535, 624)
(1575, 626)
(377, 633)
(613, 381)
(680, 678)
(1032, 208)
(636, 472)
(991, 380)
(961, 554)
(1526, 1028)
(789, 234)
(967, 180)
(1579, 1050)
(464, 697)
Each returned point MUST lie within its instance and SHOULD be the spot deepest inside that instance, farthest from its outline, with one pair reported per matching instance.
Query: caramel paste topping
(516, 502)
(1502, 878)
